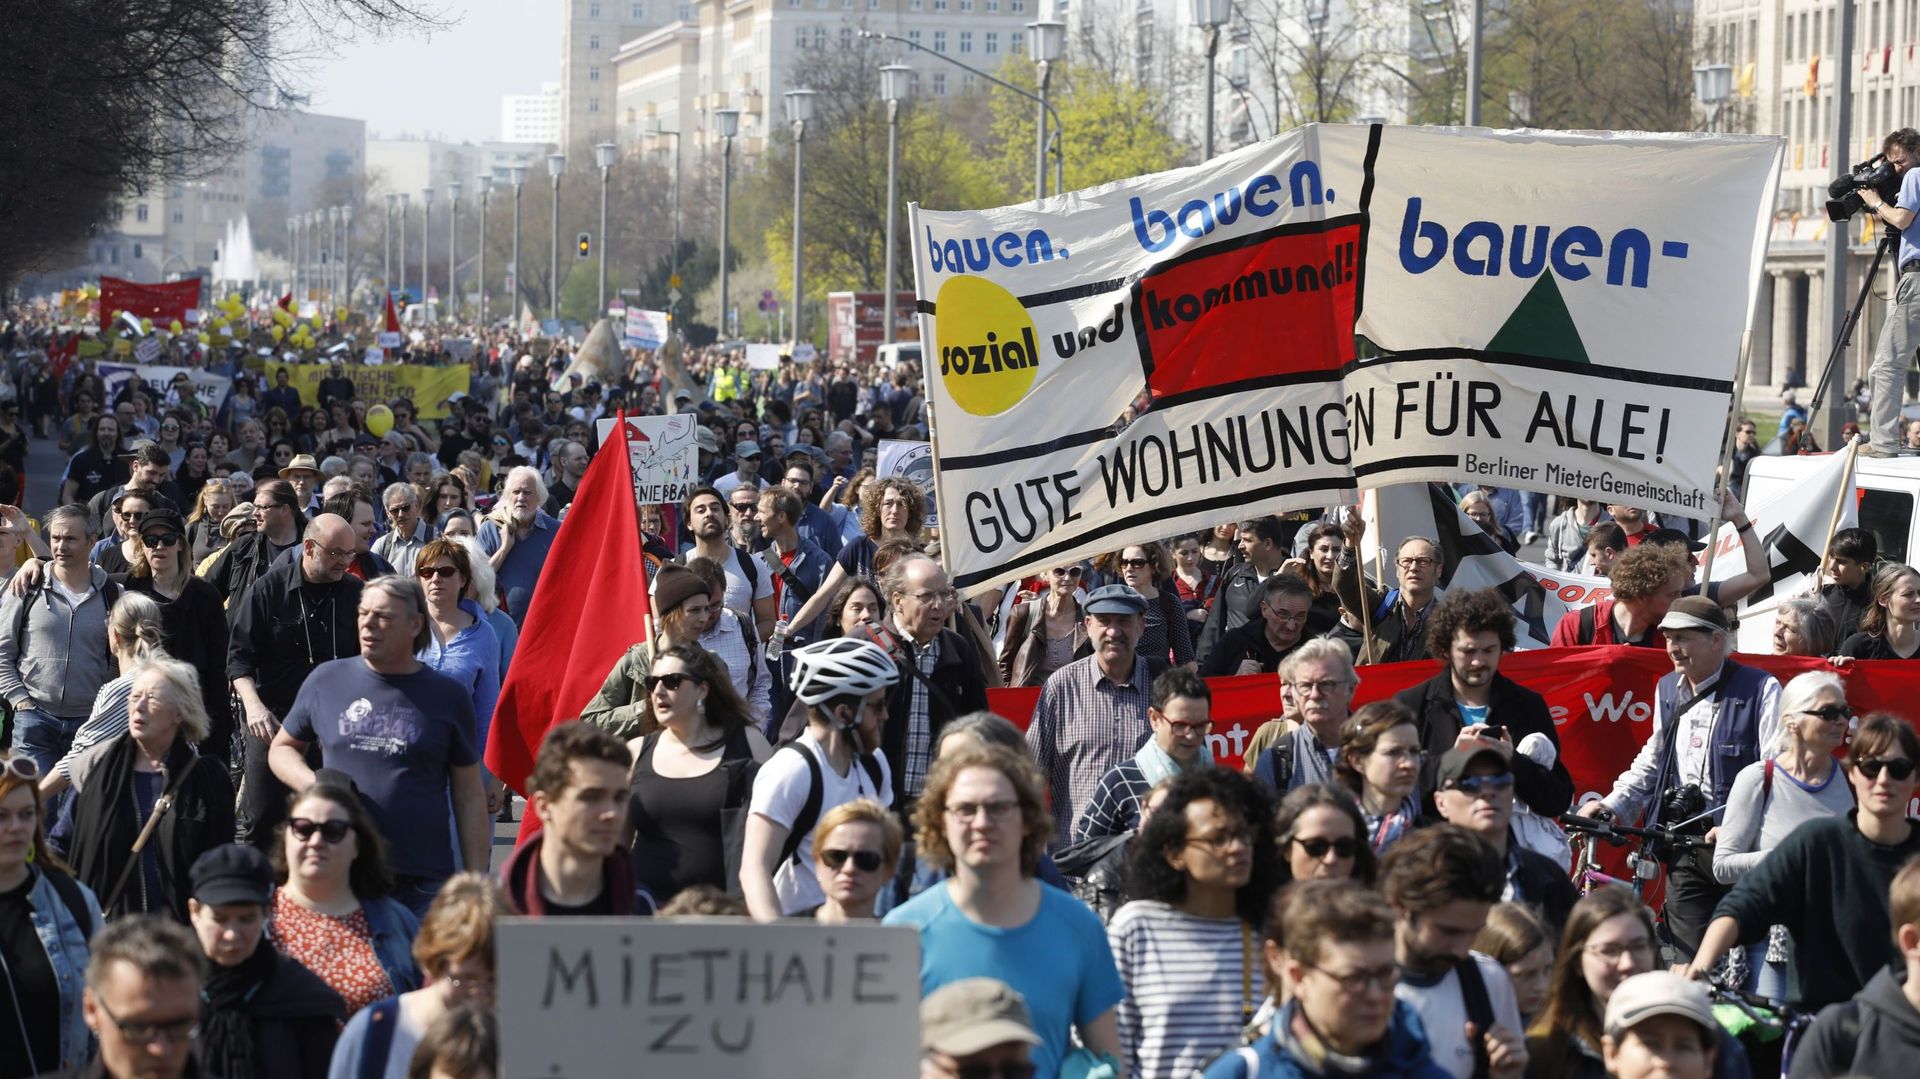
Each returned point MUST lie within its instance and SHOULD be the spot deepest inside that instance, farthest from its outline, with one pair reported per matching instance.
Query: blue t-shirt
(1059, 961)
(517, 575)
(396, 736)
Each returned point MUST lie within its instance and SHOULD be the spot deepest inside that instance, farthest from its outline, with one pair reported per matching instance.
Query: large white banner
(1335, 308)
(210, 388)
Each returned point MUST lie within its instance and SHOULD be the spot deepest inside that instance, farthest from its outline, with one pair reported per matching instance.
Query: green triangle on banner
(1541, 326)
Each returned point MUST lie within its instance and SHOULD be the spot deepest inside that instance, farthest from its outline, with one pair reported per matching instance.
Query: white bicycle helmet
(840, 667)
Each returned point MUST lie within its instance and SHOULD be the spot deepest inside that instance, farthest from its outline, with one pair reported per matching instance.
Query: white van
(898, 353)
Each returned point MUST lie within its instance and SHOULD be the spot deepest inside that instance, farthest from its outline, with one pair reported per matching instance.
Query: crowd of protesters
(251, 654)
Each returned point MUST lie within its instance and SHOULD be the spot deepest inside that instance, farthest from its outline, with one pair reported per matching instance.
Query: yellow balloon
(206, 339)
(146, 325)
(218, 325)
(281, 317)
(276, 332)
(174, 326)
(379, 420)
(340, 314)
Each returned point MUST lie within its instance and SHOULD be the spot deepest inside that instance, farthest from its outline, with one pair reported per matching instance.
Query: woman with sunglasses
(1379, 765)
(1144, 567)
(46, 917)
(333, 911)
(1770, 798)
(1322, 836)
(169, 438)
(693, 761)
(1828, 882)
(856, 849)
(192, 618)
(463, 645)
(1045, 632)
(1188, 944)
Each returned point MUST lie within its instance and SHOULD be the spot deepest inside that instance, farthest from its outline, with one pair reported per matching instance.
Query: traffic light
(585, 242)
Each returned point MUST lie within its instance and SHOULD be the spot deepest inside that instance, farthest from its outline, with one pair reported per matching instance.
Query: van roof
(1796, 467)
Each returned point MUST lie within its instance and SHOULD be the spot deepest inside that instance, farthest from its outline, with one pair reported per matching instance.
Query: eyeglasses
(1285, 618)
(428, 573)
(156, 540)
(1325, 688)
(1317, 847)
(1006, 1069)
(1900, 768)
(400, 510)
(335, 553)
(1222, 841)
(672, 681)
(1415, 563)
(1832, 713)
(333, 831)
(1359, 981)
(1476, 786)
(945, 595)
(1198, 727)
(745, 507)
(1066, 571)
(966, 811)
(174, 1030)
(21, 767)
(1612, 951)
(866, 861)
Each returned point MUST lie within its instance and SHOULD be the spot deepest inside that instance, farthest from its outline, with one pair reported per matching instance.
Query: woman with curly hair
(894, 511)
(982, 816)
(1187, 946)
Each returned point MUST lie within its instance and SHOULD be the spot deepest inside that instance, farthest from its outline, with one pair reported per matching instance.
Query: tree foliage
(1112, 129)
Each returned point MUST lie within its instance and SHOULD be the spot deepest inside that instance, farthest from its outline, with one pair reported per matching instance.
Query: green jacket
(616, 708)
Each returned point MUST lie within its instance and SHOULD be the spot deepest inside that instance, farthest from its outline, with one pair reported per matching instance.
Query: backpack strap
(68, 890)
(1479, 1007)
(1589, 624)
(748, 570)
(809, 809)
(753, 649)
(382, 1017)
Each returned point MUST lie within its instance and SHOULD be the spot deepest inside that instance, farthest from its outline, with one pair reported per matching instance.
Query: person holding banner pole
(1399, 616)
(1265, 543)
(1850, 556)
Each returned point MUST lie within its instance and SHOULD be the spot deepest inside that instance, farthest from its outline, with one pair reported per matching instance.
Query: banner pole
(1723, 475)
(646, 579)
(1366, 609)
(1839, 508)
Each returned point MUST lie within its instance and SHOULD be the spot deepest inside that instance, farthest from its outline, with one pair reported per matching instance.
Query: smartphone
(1495, 731)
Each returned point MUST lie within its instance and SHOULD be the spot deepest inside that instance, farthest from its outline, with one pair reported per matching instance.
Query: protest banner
(163, 303)
(1793, 526)
(1601, 699)
(1338, 307)
(763, 357)
(210, 388)
(149, 349)
(703, 998)
(913, 460)
(646, 329)
(665, 456)
(426, 387)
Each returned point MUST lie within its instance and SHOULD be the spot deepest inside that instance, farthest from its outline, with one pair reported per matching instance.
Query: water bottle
(776, 643)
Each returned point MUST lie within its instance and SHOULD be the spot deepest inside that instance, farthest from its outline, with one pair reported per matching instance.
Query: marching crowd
(251, 656)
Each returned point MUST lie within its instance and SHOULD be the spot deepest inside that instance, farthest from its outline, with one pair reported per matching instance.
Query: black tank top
(677, 840)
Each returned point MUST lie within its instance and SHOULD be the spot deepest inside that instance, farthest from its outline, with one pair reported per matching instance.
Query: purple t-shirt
(396, 736)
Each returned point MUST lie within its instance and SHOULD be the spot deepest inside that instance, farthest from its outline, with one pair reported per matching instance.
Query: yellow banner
(425, 386)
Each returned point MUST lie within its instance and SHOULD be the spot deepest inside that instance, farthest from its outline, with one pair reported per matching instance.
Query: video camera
(1875, 172)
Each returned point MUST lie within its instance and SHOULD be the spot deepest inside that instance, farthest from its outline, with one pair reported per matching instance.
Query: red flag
(163, 303)
(588, 608)
(286, 302)
(393, 320)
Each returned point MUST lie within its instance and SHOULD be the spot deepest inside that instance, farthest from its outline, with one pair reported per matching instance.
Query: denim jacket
(394, 927)
(66, 944)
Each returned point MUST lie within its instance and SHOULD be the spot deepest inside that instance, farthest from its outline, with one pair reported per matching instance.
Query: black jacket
(237, 566)
(287, 626)
(1875, 1033)
(959, 686)
(105, 824)
(1235, 602)
(1547, 791)
(195, 629)
(294, 1019)
(1546, 887)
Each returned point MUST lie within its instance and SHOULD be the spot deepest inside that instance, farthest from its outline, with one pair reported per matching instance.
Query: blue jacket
(1406, 1055)
(818, 527)
(811, 565)
(1736, 731)
(394, 927)
(66, 943)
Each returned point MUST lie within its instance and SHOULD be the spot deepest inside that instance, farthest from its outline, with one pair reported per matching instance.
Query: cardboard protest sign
(645, 329)
(698, 999)
(763, 357)
(665, 456)
(1335, 308)
(912, 460)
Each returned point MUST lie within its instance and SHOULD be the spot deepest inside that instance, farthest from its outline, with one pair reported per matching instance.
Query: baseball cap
(1454, 762)
(747, 448)
(1114, 599)
(231, 873)
(1695, 612)
(683, 394)
(1658, 992)
(162, 517)
(973, 1014)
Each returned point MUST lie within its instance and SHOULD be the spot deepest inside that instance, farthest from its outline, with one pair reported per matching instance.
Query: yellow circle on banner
(989, 353)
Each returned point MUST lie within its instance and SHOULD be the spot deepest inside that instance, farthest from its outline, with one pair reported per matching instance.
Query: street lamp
(673, 257)
(293, 254)
(517, 175)
(727, 123)
(799, 111)
(453, 247)
(1211, 15)
(426, 242)
(486, 188)
(401, 246)
(603, 157)
(1713, 85)
(896, 81)
(386, 264)
(333, 252)
(346, 252)
(556, 166)
(1046, 40)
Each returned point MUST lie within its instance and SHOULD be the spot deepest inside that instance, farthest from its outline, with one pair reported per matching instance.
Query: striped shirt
(107, 722)
(1115, 807)
(1192, 983)
(1084, 724)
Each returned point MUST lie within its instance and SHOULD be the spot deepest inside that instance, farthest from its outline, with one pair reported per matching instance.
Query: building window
(915, 5)
(637, 12)
(1016, 6)
(178, 217)
(593, 42)
(940, 84)
(686, 12)
(799, 37)
(913, 36)
(139, 252)
(819, 37)
(846, 37)
(140, 212)
(593, 74)
(966, 41)
(593, 11)
(593, 104)
(940, 41)
(993, 43)
(966, 5)
(113, 254)
(939, 5)
(993, 5)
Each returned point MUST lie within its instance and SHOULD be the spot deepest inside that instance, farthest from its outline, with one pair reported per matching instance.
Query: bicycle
(1584, 833)
(1768, 1029)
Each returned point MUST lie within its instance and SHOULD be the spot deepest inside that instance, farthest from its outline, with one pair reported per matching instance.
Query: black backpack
(803, 824)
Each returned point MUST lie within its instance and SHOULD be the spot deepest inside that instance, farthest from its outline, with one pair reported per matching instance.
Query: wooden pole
(1724, 475)
(1839, 508)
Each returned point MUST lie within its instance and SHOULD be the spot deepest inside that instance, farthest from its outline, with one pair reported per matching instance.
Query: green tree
(1111, 129)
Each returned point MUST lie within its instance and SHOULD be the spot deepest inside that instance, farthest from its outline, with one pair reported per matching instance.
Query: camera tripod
(1845, 338)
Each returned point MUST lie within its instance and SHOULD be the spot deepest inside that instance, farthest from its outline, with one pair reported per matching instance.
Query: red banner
(162, 303)
(1602, 699)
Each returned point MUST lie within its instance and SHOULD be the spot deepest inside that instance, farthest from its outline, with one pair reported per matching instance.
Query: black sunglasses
(333, 831)
(1898, 769)
(1318, 847)
(156, 540)
(864, 860)
(1832, 713)
(671, 681)
(428, 573)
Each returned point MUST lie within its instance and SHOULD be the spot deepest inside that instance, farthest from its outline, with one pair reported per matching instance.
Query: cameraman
(1893, 351)
(1713, 718)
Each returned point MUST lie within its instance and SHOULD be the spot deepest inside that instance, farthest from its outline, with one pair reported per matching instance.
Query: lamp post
(454, 188)
(400, 245)
(1045, 42)
(293, 254)
(556, 166)
(486, 189)
(727, 123)
(386, 260)
(333, 254)
(603, 157)
(799, 111)
(517, 174)
(1210, 16)
(1713, 85)
(896, 81)
(673, 257)
(426, 242)
(346, 252)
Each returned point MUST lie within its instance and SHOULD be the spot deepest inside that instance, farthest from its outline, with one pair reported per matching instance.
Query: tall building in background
(590, 35)
(531, 117)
